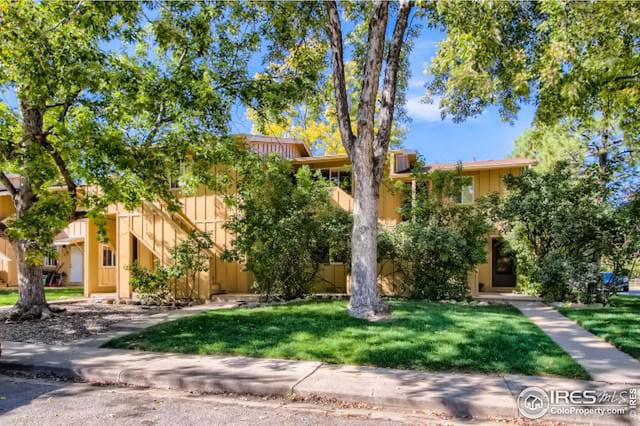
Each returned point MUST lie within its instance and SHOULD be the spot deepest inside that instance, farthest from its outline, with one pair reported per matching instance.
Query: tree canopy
(577, 62)
(109, 94)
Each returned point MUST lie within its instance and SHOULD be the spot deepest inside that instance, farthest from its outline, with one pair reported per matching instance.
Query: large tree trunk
(368, 151)
(31, 301)
(365, 299)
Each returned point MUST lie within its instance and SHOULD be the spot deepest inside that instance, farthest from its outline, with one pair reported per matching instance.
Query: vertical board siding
(158, 232)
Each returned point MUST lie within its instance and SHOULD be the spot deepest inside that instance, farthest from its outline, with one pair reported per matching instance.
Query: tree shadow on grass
(491, 339)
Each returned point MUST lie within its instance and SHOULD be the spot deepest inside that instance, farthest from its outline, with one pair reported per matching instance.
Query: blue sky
(485, 137)
(482, 138)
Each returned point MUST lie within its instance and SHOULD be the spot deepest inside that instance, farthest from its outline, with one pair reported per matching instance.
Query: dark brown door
(503, 268)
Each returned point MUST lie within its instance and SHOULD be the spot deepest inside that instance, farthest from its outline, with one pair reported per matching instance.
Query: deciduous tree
(110, 94)
(577, 62)
(380, 57)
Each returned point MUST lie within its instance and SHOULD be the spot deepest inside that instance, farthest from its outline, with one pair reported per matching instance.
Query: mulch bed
(80, 320)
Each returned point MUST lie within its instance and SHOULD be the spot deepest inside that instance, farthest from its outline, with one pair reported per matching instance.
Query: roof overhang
(338, 160)
(485, 165)
(68, 241)
(272, 139)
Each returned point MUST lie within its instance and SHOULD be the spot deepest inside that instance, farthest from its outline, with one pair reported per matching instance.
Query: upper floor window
(50, 261)
(174, 181)
(466, 194)
(402, 163)
(108, 257)
(339, 177)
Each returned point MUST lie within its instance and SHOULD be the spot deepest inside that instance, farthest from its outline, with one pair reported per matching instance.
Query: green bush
(431, 261)
(153, 287)
(562, 228)
(441, 242)
(167, 284)
(285, 227)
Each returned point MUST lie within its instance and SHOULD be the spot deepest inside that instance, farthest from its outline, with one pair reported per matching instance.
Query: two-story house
(148, 233)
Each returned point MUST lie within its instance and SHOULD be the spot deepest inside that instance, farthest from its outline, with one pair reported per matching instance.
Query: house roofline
(484, 164)
(273, 139)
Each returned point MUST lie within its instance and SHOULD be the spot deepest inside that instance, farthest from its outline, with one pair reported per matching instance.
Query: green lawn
(429, 336)
(618, 324)
(10, 296)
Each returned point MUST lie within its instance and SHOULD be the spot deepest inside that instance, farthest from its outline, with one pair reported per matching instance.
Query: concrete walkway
(460, 395)
(602, 360)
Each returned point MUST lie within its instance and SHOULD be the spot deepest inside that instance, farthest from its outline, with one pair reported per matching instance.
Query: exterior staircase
(155, 213)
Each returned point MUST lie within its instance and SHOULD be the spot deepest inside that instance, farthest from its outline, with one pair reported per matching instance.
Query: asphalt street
(47, 402)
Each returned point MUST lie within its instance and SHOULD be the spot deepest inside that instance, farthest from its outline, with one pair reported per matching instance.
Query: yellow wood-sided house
(149, 232)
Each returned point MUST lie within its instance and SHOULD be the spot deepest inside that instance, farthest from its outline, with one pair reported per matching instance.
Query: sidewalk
(460, 395)
(603, 361)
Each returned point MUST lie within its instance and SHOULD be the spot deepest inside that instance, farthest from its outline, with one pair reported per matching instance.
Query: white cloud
(419, 111)
(417, 82)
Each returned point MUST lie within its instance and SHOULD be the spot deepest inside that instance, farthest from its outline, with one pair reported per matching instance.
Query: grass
(618, 324)
(10, 296)
(426, 336)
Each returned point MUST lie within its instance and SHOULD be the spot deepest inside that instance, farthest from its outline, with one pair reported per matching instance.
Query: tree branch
(160, 120)
(66, 106)
(6, 182)
(390, 82)
(75, 10)
(339, 82)
(62, 166)
(371, 72)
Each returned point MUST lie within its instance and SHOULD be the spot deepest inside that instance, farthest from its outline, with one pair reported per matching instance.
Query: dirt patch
(79, 321)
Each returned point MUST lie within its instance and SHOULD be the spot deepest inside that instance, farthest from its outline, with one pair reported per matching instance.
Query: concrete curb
(309, 387)
(457, 395)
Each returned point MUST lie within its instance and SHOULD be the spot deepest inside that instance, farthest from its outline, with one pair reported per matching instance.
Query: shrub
(562, 227)
(431, 261)
(441, 241)
(166, 284)
(285, 227)
(153, 287)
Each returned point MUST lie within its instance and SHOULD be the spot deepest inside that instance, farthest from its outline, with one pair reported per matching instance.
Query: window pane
(407, 201)
(335, 177)
(467, 194)
(108, 257)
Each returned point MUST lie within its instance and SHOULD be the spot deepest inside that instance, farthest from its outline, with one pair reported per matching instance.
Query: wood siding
(155, 231)
(285, 150)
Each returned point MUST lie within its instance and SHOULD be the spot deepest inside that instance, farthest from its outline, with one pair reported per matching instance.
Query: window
(108, 257)
(402, 163)
(174, 181)
(327, 255)
(465, 196)
(50, 261)
(340, 178)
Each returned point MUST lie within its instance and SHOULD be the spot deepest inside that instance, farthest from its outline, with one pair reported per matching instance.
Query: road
(47, 402)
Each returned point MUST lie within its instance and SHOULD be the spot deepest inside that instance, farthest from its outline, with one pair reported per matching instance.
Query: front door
(76, 273)
(503, 270)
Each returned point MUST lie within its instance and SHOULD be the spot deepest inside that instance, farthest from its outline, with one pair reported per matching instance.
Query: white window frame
(113, 263)
(473, 192)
